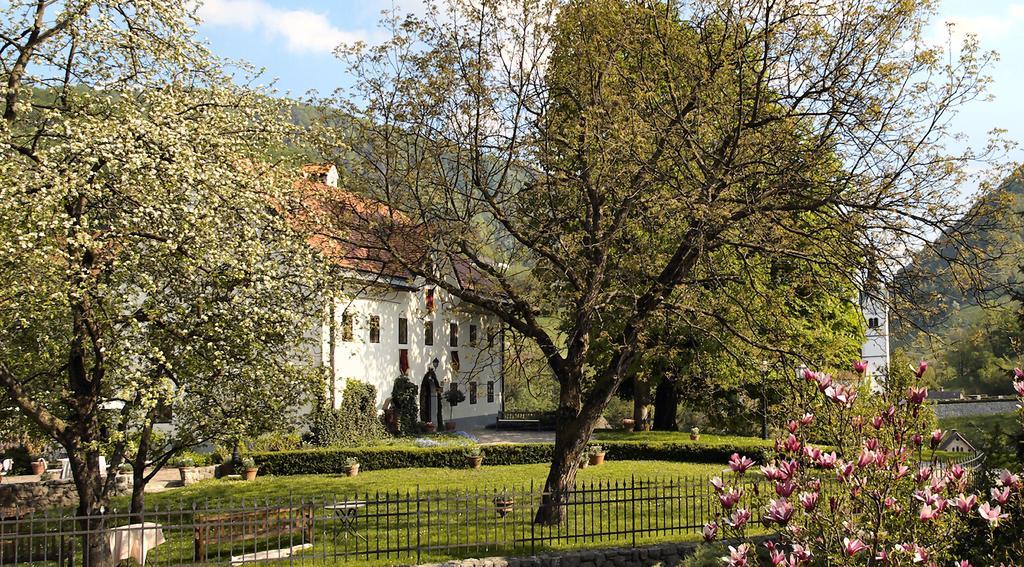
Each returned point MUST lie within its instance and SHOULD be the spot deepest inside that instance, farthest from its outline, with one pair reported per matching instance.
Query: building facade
(875, 350)
(390, 323)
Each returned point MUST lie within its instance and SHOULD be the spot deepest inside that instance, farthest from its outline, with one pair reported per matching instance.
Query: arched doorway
(430, 399)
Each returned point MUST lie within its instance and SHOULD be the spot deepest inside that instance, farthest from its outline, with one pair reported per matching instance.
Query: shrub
(333, 460)
(355, 420)
(879, 498)
(276, 441)
(405, 401)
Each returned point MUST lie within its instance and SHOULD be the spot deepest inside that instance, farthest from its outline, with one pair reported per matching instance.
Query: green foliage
(980, 356)
(405, 404)
(354, 422)
(334, 461)
(275, 441)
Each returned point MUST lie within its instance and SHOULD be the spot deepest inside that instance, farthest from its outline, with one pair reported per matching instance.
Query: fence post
(532, 519)
(632, 506)
(418, 551)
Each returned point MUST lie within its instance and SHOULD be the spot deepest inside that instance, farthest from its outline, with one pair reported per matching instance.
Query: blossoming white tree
(144, 262)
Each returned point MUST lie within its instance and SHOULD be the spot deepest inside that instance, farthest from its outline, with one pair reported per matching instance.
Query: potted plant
(629, 424)
(428, 427)
(596, 453)
(449, 425)
(503, 503)
(249, 468)
(694, 433)
(454, 396)
(39, 466)
(124, 469)
(351, 466)
(185, 466)
(474, 458)
(584, 461)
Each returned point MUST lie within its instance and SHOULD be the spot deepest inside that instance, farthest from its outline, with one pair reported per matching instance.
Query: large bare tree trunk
(571, 440)
(92, 501)
(666, 401)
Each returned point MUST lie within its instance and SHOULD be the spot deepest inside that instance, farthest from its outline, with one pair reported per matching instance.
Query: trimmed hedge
(332, 460)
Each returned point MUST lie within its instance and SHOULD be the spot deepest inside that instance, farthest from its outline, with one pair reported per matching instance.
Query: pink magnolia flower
(809, 500)
(1018, 373)
(965, 503)
(877, 422)
(827, 460)
(771, 472)
(739, 518)
(871, 443)
(936, 438)
(710, 531)
(730, 498)
(784, 489)
(738, 464)
(792, 426)
(918, 439)
(928, 513)
(813, 453)
(788, 469)
(810, 375)
(866, 458)
(718, 484)
(921, 368)
(841, 394)
(963, 563)
(800, 553)
(853, 547)
(917, 395)
(1001, 496)
(923, 474)
(737, 556)
(844, 470)
(1009, 480)
(824, 381)
(1018, 386)
(792, 444)
(779, 511)
(955, 472)
(991, 513)
(807, 419)
(860, 366)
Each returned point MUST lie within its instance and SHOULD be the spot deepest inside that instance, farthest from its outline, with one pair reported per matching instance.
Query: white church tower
(875, 309)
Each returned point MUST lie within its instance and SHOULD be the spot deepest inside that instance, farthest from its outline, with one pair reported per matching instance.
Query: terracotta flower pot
(597, 459)
(352, 470)
(503, 506)
(38, 467)
(250, 474)
(449, 426)
(474, 462)
(694, 436)
(628, 424)
(429, 427)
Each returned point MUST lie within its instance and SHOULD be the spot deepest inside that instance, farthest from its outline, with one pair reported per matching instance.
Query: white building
(393, 324)
(875, 351)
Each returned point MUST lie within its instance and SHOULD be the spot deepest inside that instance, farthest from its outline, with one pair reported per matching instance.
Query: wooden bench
(251, 525)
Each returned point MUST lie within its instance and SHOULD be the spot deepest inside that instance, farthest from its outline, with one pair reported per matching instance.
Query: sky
(293, 41)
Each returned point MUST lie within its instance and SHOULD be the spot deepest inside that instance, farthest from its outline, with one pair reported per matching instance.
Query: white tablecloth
(135, 540)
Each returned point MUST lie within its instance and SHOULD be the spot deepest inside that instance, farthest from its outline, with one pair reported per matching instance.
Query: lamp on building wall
(435, 363)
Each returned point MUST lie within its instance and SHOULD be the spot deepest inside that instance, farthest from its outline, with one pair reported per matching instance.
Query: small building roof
(952, 437)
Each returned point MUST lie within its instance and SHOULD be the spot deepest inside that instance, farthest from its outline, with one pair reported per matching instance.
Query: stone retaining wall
(667, 554)
(24, 498)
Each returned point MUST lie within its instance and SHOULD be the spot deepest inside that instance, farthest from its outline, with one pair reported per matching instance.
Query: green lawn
(427, 479)
(454, 514)
(681, 437)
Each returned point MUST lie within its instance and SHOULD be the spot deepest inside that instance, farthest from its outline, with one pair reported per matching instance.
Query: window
(472, 335)
(456, 364)
(428, 333)
(403, 361)
(873, 323)
(472, 392)
(374, 328)
(453, 333)
(403, 331)
(490, 392)
(431, 303)
(347, 320)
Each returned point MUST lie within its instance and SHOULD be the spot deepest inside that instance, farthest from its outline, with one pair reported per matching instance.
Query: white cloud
(302, 30)
(988, 28)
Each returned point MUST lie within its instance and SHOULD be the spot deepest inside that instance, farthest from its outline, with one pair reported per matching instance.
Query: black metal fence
(385, 528)
(380, 527)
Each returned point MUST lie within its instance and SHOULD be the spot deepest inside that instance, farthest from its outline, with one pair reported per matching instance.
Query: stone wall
(667, 554)
(24, 498)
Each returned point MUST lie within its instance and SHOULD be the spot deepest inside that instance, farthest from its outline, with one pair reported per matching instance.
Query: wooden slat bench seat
(292, 525)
